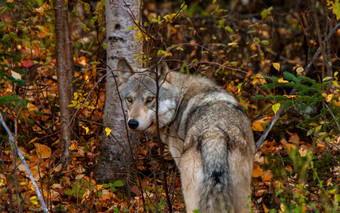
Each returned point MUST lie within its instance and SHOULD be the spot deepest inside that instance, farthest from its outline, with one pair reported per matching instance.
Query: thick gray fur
(208, 133)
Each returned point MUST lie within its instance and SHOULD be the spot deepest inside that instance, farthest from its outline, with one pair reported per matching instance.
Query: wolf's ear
(164, 72)
(124, 70)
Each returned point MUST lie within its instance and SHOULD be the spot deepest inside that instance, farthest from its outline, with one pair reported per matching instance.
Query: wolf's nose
(133, 124)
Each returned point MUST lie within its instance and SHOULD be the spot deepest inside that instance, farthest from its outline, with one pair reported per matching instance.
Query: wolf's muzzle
(133, 124)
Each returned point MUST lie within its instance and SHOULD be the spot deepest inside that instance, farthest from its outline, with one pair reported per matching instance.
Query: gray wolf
(207, 131)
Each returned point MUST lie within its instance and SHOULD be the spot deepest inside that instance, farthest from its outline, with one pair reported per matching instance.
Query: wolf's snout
(133, 124)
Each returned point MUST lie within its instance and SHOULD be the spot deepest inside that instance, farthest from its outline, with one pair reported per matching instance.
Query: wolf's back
(222, 133)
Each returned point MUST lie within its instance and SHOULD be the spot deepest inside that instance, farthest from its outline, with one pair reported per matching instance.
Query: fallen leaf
(303, 150)
(42, 150)
(257, 171)
(260, 192)
(85, 195)
(16, 75)
(27, 63)
(294, 138)
(80, 176)
(289, 168)
(267, 175)
(257, 126)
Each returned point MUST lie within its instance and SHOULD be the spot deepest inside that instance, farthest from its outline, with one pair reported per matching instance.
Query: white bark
(116, 156)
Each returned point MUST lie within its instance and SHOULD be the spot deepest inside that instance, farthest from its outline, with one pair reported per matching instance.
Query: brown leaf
(294, 138)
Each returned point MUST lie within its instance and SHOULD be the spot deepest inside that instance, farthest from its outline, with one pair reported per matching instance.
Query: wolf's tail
(217, 193)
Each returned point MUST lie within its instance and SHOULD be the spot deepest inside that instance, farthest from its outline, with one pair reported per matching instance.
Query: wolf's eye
(129, 100)
(150, 99)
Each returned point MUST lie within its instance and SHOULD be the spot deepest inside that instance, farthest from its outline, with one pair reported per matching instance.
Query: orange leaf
(42, 151)
(267, 175)
(257, 171)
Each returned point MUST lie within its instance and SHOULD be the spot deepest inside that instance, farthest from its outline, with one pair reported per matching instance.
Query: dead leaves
(42, 151)
(282, 168)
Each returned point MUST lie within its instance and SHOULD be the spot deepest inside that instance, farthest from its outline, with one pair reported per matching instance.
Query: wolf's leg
(241, 168)
(190, 165)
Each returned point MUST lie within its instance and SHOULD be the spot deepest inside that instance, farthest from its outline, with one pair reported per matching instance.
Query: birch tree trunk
(64, 74)
(117, 151)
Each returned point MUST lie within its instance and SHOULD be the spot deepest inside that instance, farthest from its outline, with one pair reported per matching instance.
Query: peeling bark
(117, 151)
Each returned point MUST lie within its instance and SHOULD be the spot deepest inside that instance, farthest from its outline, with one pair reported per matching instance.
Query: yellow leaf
(336, 102)
(108, 131)
(42, 151)
(259, 79)
(283, 207)
(276, 107)
(329, 181)
(85, 195)
(86, 129)
(281, 80)
(276, 66)
(34, 200)
(329, 97)
(332, 191)
(10, 1)
(232, 44)
(290, 96)
(99, 187)
(39, 10)
(299, 70)
(257, 126)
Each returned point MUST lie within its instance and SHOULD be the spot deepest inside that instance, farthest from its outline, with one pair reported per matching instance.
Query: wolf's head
(138, 89)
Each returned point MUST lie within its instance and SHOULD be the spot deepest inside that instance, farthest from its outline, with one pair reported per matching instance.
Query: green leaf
(118, 183)
(335, 7)
(265, 42)
(327, 78)
(276, 107)
(227, 28)
(68, 192)
(266, 12)
(39, 2)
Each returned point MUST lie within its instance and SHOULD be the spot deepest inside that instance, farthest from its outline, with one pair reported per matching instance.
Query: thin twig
(335, 119)
(13, 144)
(165, 183)
(309, 65)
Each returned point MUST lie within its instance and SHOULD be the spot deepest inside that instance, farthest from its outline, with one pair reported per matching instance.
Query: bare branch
(14, 145)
